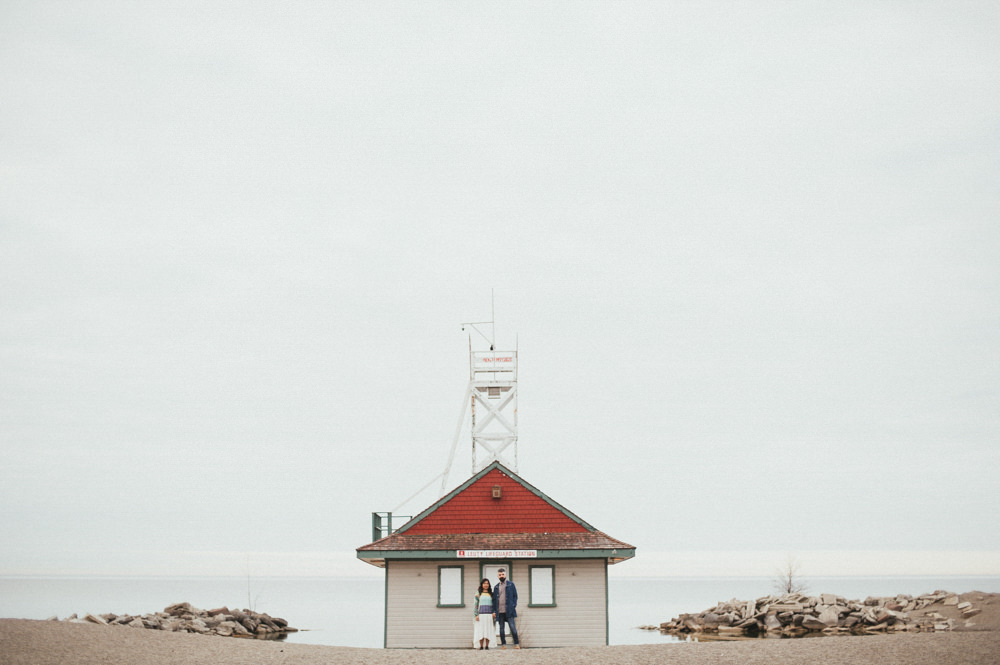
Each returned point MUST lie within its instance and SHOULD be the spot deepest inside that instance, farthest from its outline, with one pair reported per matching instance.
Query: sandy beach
(27, 642)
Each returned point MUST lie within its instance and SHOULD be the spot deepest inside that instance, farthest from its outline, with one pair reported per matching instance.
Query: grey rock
(812, 623)
(787, 607)
(238, 629)
(829, 616)
(179, 609)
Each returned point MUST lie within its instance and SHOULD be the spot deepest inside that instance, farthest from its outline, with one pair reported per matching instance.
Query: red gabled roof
(474, 510)
(470, 518)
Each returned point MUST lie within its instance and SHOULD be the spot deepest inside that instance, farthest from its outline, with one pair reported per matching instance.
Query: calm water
(348, 612)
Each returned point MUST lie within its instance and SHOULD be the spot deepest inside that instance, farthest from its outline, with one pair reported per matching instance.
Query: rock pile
(182, 617)
(794, 615)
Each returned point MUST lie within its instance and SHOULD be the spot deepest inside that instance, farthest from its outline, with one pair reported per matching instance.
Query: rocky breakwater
(182, 617)
(795, 615)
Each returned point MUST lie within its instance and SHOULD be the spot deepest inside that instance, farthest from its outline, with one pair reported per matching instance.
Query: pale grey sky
(750, 254)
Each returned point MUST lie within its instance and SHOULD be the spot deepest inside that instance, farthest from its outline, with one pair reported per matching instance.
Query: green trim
(385, 609)
(494, 465)
(461, 587)
(619, 554)
(607, 618)
(531, 587)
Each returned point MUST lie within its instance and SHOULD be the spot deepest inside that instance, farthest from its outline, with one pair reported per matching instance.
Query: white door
(489, 570)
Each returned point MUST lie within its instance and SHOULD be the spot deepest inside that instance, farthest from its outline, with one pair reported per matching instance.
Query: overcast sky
(749, 253)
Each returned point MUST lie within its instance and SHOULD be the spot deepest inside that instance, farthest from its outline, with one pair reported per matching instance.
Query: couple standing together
(496, 604)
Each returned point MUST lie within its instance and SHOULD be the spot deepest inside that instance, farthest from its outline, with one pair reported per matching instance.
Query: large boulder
(829, 616)
(813, 623)
(772, 624)
(226, 628)
(239, 630)
(179, 609)
(198, 626)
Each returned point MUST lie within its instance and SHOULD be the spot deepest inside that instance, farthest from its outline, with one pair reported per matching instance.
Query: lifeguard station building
(434, 562)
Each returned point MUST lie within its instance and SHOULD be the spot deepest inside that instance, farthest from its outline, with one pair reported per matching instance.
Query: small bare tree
(788, 578)
(252, 602)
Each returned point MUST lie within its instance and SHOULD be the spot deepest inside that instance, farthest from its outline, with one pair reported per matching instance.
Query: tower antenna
(492, 339)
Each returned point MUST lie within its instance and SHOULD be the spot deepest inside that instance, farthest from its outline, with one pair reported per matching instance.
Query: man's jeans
(502, 618)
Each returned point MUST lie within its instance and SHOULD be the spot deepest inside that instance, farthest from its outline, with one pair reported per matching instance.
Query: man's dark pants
(503, 619)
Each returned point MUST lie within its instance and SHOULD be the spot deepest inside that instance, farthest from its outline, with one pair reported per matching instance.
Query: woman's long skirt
(485, 629)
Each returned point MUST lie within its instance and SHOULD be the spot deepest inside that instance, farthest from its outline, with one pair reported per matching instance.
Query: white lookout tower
(493, 407)
(490, 404)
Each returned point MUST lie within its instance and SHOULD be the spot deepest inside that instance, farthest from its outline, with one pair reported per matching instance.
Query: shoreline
(33, 642)
(342, 614)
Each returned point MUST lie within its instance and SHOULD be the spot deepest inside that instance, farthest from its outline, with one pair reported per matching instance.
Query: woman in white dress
(484, 607)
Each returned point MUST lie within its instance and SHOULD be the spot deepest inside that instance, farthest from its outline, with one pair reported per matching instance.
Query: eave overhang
(379, 557)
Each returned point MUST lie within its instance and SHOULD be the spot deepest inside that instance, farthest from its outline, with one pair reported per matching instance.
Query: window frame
(461, 586)
(531, 586)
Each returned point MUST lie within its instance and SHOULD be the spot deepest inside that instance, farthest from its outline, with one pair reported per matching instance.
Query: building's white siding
(579, 617)
(413, 618)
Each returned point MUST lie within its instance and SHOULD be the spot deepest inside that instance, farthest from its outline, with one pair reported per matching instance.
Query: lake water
(348, 612)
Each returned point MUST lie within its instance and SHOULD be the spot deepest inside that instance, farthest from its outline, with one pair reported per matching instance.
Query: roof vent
(497, 492)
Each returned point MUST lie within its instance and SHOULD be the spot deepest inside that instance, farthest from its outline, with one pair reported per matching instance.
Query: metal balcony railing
(382, 524)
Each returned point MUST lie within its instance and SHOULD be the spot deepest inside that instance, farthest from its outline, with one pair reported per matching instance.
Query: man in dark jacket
(506, 596)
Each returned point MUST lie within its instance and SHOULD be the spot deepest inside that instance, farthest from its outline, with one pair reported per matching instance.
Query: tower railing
(382, 524)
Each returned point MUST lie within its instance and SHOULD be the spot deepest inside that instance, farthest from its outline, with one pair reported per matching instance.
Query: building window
(541, 586)
(451, 581)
